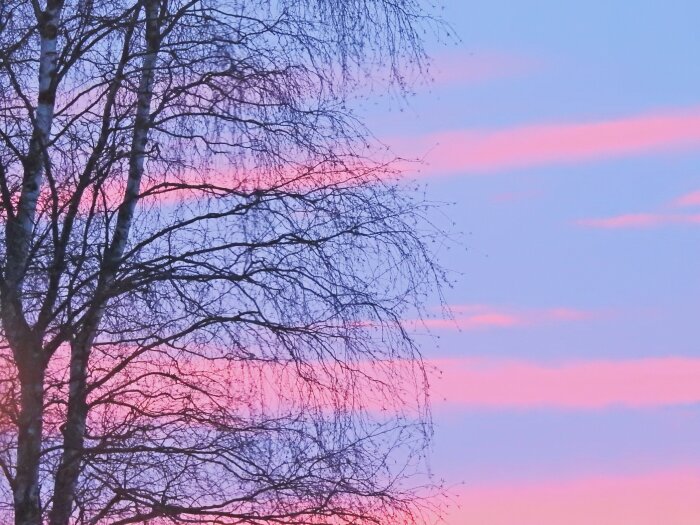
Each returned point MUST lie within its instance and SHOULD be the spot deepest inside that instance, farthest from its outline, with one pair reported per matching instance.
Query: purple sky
(567, 134)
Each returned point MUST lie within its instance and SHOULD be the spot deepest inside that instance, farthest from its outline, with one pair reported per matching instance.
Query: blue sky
(601, 236)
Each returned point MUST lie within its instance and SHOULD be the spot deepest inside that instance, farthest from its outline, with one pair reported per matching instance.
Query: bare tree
(203, 270)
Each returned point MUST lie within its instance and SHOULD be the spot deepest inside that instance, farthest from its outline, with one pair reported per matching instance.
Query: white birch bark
(74, 429)
(25, 343)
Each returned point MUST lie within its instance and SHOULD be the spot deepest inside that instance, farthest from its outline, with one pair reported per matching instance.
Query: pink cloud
(689, 199)
(649, 219)
(639, 220)
(484, 383)
(649, 499)
(458, 383)
(475, 321)
(568, 314)
(193, 185)
(655, 498)
(474, 151)
(473, 317)
(460, 68)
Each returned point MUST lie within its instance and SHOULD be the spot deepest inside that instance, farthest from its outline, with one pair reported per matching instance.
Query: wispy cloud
(498, 384)
(639, 220)
(689, 199)
(476, 316)
(660, 217)
(669, 497)
(482, 151)
(459, 68)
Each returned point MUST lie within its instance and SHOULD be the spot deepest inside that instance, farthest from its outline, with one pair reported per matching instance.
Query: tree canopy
(205, 262)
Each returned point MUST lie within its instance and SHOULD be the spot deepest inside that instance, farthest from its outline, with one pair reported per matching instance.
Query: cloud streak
(479, 317)
(459, 69)
(687, 200)
(647, 499)
(588, 385)
(649, 219)
(639, 220)
(486, 151)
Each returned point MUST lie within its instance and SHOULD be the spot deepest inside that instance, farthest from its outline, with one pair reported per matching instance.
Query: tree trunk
(74, 430)
(26, 490)
(73, 438)
(20, 227)
(26, 345)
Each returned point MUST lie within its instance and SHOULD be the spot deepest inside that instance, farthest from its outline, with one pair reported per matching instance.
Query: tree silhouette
(205, 265)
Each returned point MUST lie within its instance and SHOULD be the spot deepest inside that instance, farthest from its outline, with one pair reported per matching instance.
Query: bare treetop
(205, 262)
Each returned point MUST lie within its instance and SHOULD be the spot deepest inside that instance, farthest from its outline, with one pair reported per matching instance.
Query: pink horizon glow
(638, 220)
(485, 151)
(667, 497)
(497, 384)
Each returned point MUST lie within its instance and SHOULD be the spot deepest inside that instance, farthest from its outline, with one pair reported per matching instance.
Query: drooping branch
(217, 265)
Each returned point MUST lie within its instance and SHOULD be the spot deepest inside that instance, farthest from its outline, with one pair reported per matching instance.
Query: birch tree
(204, 264)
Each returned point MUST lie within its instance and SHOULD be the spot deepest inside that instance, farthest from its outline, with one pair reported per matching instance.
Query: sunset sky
(567, 137)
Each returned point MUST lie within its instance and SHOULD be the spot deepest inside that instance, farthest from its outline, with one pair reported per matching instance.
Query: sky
(565, 138)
